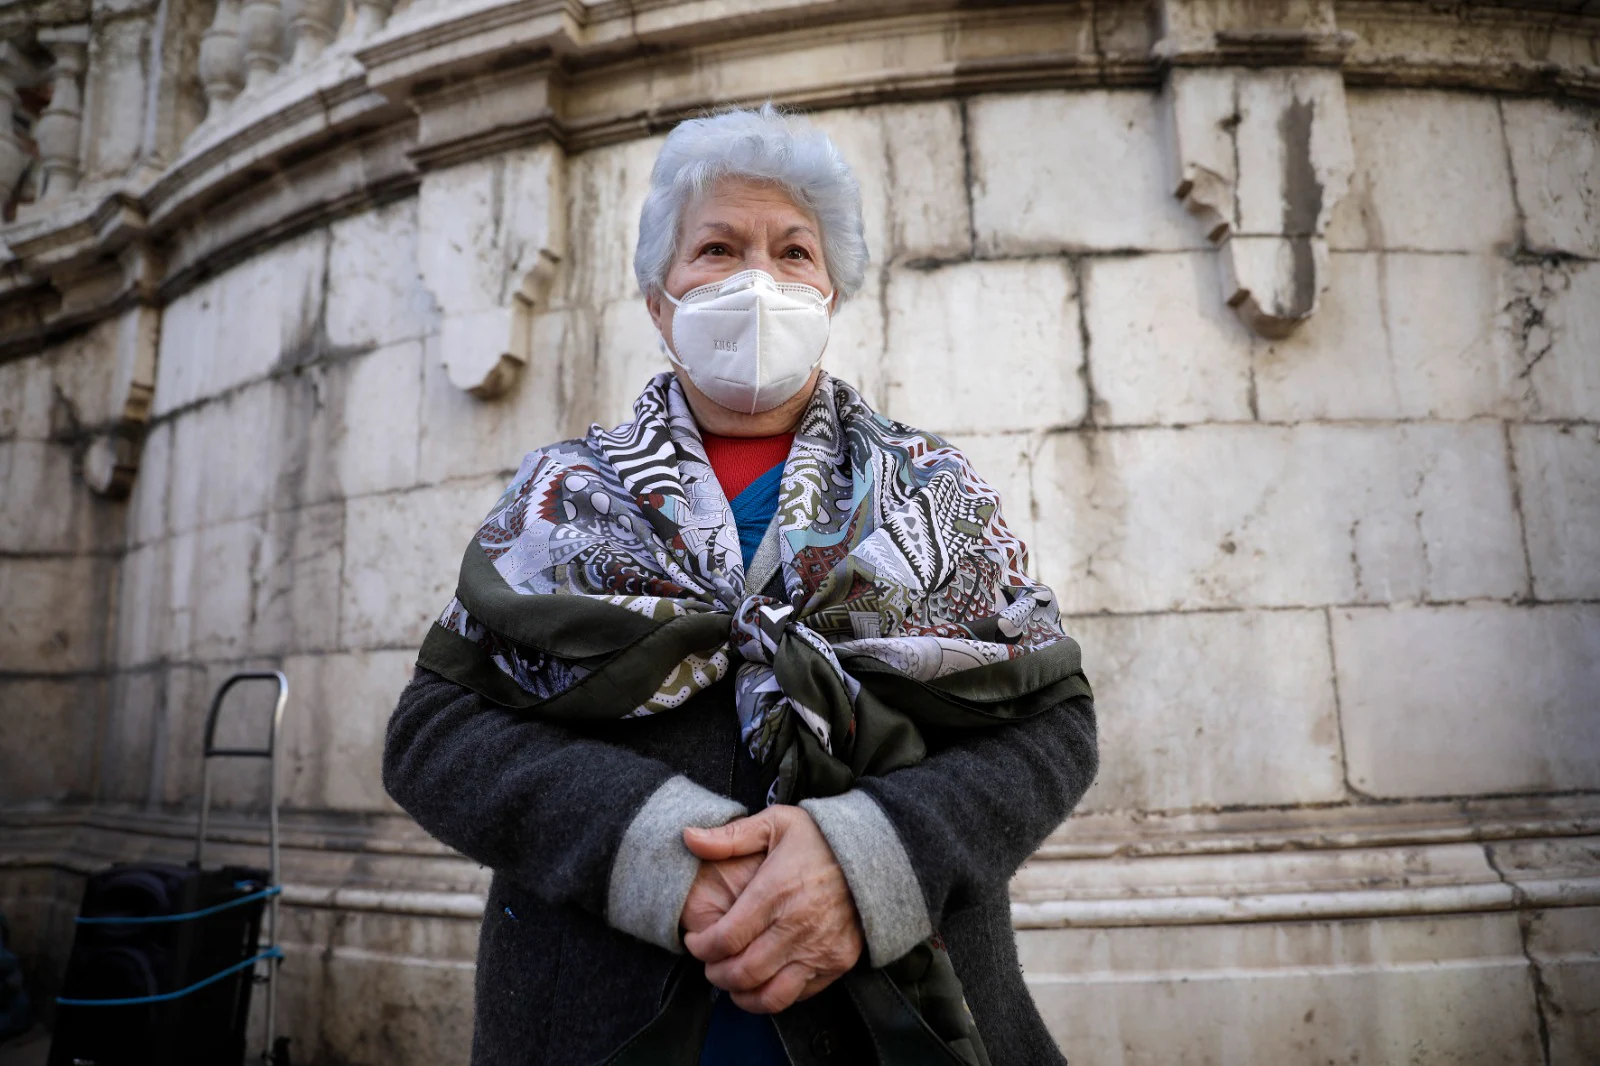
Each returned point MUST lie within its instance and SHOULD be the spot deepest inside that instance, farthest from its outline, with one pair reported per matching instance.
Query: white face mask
(749, 341)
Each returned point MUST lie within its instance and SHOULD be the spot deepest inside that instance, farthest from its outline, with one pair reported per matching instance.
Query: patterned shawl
(607, 583)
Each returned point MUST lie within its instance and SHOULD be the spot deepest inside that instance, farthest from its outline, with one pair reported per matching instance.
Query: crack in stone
(1355, 560)
(1092, 402)
(1511, 177)
(967, 178)
(1537, 285)
(1527, 915)
(1515, 480)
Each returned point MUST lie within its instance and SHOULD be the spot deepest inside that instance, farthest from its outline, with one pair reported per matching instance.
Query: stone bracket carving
(490, 233)
(112, 458)
(1263, 155)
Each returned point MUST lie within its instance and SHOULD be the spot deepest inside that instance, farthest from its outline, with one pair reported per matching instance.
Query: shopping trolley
(174, 936)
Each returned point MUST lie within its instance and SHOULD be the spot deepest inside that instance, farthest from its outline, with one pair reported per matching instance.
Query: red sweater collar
(737, 461)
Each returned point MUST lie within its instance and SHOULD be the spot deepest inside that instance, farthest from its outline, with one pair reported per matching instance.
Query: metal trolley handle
(270, 753)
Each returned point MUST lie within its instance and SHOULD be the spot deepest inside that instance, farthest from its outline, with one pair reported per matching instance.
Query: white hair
(764, 145)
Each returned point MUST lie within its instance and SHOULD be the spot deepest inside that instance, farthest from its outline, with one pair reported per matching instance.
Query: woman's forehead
(735, 203)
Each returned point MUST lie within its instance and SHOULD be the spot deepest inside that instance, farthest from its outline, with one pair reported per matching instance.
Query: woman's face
(743, 225)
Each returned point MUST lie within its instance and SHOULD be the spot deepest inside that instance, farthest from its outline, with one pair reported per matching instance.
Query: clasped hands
(769, 913)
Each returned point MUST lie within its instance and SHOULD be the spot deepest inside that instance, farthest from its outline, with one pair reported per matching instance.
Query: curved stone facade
(1277, 324)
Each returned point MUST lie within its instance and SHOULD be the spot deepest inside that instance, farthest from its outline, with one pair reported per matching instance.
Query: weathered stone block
(929, 213)
(1075, 171)
(238, 326)
(376, 987)
(26, 398)
(131, 740)
(862, 138)
(553, 399)
(55, 616)
(490, 233)
(1154, 520)
(144, 605)
(1551, 315)
(627, 354)
(47, 738)
(976, 347)
(1452, 991)
(1162, 348)
(856, 339)
(606, 188)
(45, 507)
(1431, 174)
(81, 370)
(402, 552)
(147, 505)
(1469, 700)
(377, 436)
(1558, 468)
(1405, 335)
(375, 291)
(1555, 157)
(1448, 360)
(179, 568)
(334, 429)
(220, 589)
(295, 577)
(1337, 364)
(228, 454)
(1565, 942)
(1218, 709)
(333, 742)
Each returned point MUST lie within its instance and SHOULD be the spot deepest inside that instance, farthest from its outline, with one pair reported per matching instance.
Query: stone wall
(1338, 591)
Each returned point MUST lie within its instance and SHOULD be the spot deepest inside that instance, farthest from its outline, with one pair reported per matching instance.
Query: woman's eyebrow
(792, 230)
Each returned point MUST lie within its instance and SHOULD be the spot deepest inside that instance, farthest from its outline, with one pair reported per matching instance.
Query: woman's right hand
(715, 888)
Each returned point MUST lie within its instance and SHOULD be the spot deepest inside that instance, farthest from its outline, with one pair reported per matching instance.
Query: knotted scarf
(607, 583)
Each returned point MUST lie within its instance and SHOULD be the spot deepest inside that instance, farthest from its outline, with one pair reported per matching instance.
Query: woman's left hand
(794, 929)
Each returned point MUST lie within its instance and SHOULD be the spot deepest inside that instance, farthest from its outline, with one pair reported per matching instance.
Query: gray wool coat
(582, 828)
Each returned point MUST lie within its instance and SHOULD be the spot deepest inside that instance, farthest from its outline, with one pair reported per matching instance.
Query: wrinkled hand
(793, 930)
(715, 888)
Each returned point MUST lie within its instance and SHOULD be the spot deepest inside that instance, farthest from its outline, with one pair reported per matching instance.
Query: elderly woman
(749, 702)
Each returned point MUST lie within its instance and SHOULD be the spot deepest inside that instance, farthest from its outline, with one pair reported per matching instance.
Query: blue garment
(737, 1038)
(753, 510)
(740, 1039)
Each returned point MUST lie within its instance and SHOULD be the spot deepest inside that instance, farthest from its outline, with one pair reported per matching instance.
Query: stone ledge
(1097, 870)
(1296, 885)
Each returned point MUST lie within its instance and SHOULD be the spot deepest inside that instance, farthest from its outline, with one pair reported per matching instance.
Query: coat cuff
(652, 871)
(888, 896)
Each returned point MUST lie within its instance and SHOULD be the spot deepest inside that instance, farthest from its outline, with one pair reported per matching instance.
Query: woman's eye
(714, 249)
(797, 253)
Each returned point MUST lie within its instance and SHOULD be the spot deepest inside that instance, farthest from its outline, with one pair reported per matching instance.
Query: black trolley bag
(164, 956)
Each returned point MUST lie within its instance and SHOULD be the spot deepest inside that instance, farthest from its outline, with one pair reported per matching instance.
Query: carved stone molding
(440, 86)
(489, 236)
(111, 461)
(221, 60)
(1262, 152)
(61, 124)
(1263, 156)
(16, 70)
(1101, 871)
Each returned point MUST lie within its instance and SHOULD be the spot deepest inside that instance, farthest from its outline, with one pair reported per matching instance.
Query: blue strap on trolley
(271, 954)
